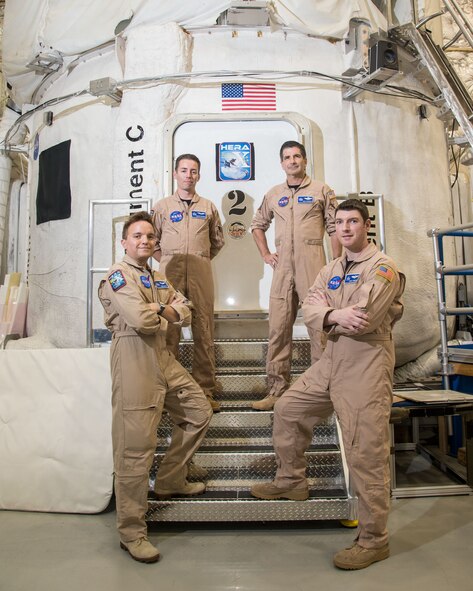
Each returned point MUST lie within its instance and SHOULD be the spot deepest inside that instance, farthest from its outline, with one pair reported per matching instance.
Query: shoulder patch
(116, 280)
(384, 273)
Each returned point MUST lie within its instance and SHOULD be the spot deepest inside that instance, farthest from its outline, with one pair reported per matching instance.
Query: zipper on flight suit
(348, 266)
(294, 191)
(186, 207)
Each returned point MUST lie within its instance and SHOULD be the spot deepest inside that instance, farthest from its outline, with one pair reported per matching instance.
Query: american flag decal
(384, 273)
(248, 97)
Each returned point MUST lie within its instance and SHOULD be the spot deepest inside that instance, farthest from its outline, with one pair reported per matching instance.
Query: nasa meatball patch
(175, 216)
(145, 280)
(334, 282)
(116, 280)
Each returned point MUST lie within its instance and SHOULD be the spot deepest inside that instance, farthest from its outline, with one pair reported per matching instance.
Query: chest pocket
(172, 226)
(358, 293)
(307, 209)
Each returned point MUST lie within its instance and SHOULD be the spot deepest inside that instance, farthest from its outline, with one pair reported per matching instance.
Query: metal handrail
(450, 231)
(441, 270)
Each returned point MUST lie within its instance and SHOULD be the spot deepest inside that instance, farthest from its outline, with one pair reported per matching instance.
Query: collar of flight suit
(194, 199)
(305, 183)
(363, 255)
(127, 259)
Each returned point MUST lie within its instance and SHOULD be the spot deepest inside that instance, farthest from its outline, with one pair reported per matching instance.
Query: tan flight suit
(354, 377)
(189, 236)
(145, 379)
(301, 216)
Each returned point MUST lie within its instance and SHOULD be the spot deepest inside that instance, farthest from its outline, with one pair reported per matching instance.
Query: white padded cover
(55, 430)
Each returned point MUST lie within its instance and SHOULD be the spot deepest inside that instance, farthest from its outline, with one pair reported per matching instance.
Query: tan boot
(357, 557)
(266, 403)
(187, 489)
(195, 471)
(268, 490)
(213, 403)
(141, 550)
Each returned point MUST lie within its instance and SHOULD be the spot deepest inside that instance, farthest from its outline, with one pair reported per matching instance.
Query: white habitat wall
(58, 249)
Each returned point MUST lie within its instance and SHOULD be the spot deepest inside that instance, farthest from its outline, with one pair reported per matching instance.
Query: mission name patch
(116, 280)
(352, 278)
(161, 284)
(200, 215)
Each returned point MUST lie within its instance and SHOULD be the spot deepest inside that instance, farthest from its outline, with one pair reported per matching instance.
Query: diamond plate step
(242, 507)
(245, 428)
(246, 355)
(237, 451)
(240, 470)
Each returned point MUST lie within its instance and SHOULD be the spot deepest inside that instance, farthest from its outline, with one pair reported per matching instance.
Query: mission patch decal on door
(234, 161)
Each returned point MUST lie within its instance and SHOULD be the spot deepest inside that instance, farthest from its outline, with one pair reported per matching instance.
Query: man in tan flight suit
(189, 233)
(302, 209)
(353, 306)
(139, 303)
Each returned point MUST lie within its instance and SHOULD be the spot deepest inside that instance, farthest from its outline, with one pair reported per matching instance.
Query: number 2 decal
(240, 198)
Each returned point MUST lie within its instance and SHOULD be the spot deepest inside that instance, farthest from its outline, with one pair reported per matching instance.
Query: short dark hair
(139, 216)
(292, 144)
(351, 204)
(187, 157)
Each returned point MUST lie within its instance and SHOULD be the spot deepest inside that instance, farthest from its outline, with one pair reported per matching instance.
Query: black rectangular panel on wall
(53, 200)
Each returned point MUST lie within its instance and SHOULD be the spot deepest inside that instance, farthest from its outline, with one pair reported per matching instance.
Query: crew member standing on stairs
(302, 209)
(189, 234)
(139, 305)
(353, 305)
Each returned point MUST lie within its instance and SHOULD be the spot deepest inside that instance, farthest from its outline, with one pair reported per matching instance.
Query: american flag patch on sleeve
(384, 273)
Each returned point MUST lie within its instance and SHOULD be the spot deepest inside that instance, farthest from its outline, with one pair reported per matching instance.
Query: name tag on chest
(161, 284)
(352, 278)
(305, 199)
(200, 215)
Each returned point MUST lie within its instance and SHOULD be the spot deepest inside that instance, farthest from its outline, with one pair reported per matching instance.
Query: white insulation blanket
(55, 430)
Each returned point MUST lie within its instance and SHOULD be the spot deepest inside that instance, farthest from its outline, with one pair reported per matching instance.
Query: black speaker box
(383, 54)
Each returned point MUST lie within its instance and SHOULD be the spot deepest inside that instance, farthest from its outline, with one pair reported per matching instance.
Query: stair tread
(245, 495)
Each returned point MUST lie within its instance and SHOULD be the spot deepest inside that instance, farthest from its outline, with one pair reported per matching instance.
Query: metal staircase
(237, 451)
(451, 95)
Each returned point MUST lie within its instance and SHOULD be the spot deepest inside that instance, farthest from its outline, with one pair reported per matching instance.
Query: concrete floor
(431, 549)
